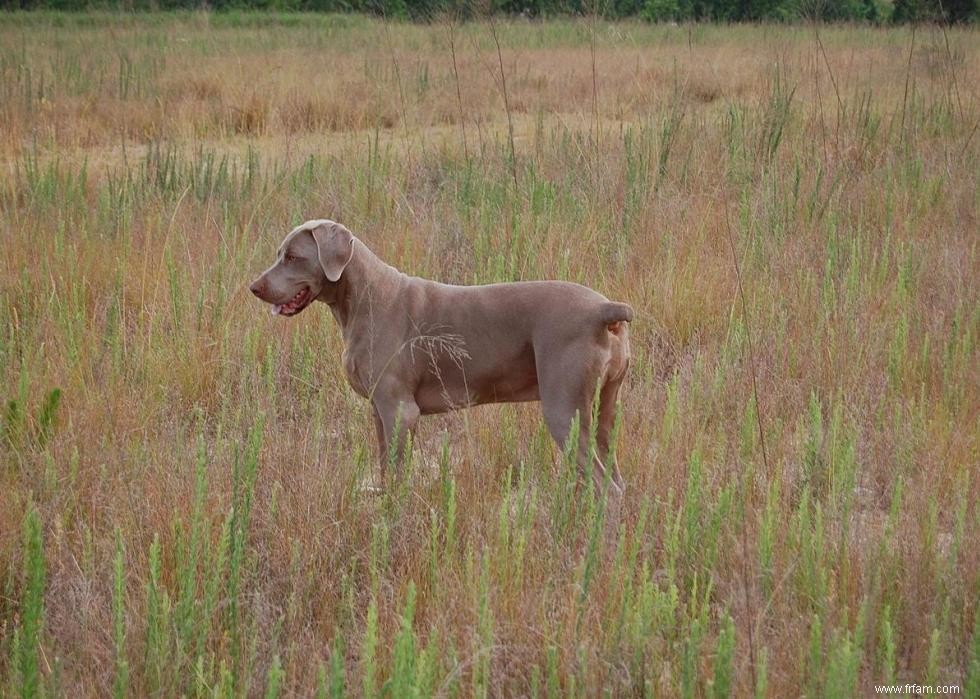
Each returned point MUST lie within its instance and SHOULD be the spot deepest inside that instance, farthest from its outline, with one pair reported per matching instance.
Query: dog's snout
(257, 287)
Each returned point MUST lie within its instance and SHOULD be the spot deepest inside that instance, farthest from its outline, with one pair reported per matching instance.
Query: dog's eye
(288, 258)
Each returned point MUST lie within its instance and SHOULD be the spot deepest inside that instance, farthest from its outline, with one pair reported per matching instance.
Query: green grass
(184, 510)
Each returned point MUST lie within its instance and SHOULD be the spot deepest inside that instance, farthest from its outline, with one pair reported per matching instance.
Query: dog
(417, 347)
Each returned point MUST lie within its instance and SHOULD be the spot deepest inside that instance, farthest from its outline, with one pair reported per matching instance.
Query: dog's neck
(367, 286)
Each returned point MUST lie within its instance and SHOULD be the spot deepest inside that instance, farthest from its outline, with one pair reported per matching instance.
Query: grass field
(183, 508)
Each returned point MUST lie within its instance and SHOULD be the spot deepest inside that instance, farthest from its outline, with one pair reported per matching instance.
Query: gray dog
(417, 347)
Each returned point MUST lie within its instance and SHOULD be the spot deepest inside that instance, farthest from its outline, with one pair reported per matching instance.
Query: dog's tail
(612, 312)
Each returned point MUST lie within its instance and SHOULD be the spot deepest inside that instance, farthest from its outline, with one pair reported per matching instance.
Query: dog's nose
(257, 287)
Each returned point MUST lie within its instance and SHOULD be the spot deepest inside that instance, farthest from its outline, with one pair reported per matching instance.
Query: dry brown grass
(150, 167)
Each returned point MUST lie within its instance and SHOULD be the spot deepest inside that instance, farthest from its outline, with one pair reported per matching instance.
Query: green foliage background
(875, 11)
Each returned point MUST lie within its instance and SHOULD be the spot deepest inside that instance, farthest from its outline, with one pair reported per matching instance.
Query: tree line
(872, 11)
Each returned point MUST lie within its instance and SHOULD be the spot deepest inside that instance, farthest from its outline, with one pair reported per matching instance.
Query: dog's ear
(335, 248)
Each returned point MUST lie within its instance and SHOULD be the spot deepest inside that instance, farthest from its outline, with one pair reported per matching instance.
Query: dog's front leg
(379, 434)
(395, 420)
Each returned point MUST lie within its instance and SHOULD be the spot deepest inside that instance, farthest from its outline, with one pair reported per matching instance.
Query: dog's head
(308, 266)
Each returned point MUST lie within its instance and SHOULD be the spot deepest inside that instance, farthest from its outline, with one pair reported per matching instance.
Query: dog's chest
(355, 376)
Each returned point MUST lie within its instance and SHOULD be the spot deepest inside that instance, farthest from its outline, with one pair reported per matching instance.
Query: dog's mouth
(294, 305)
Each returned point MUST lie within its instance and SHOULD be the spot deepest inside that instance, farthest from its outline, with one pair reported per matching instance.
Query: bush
(661, 11)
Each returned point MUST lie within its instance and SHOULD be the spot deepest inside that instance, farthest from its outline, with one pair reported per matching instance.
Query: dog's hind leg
(567, 386)
(608, 396)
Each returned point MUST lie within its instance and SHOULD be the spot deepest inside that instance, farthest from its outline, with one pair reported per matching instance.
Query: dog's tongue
(276, 308)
